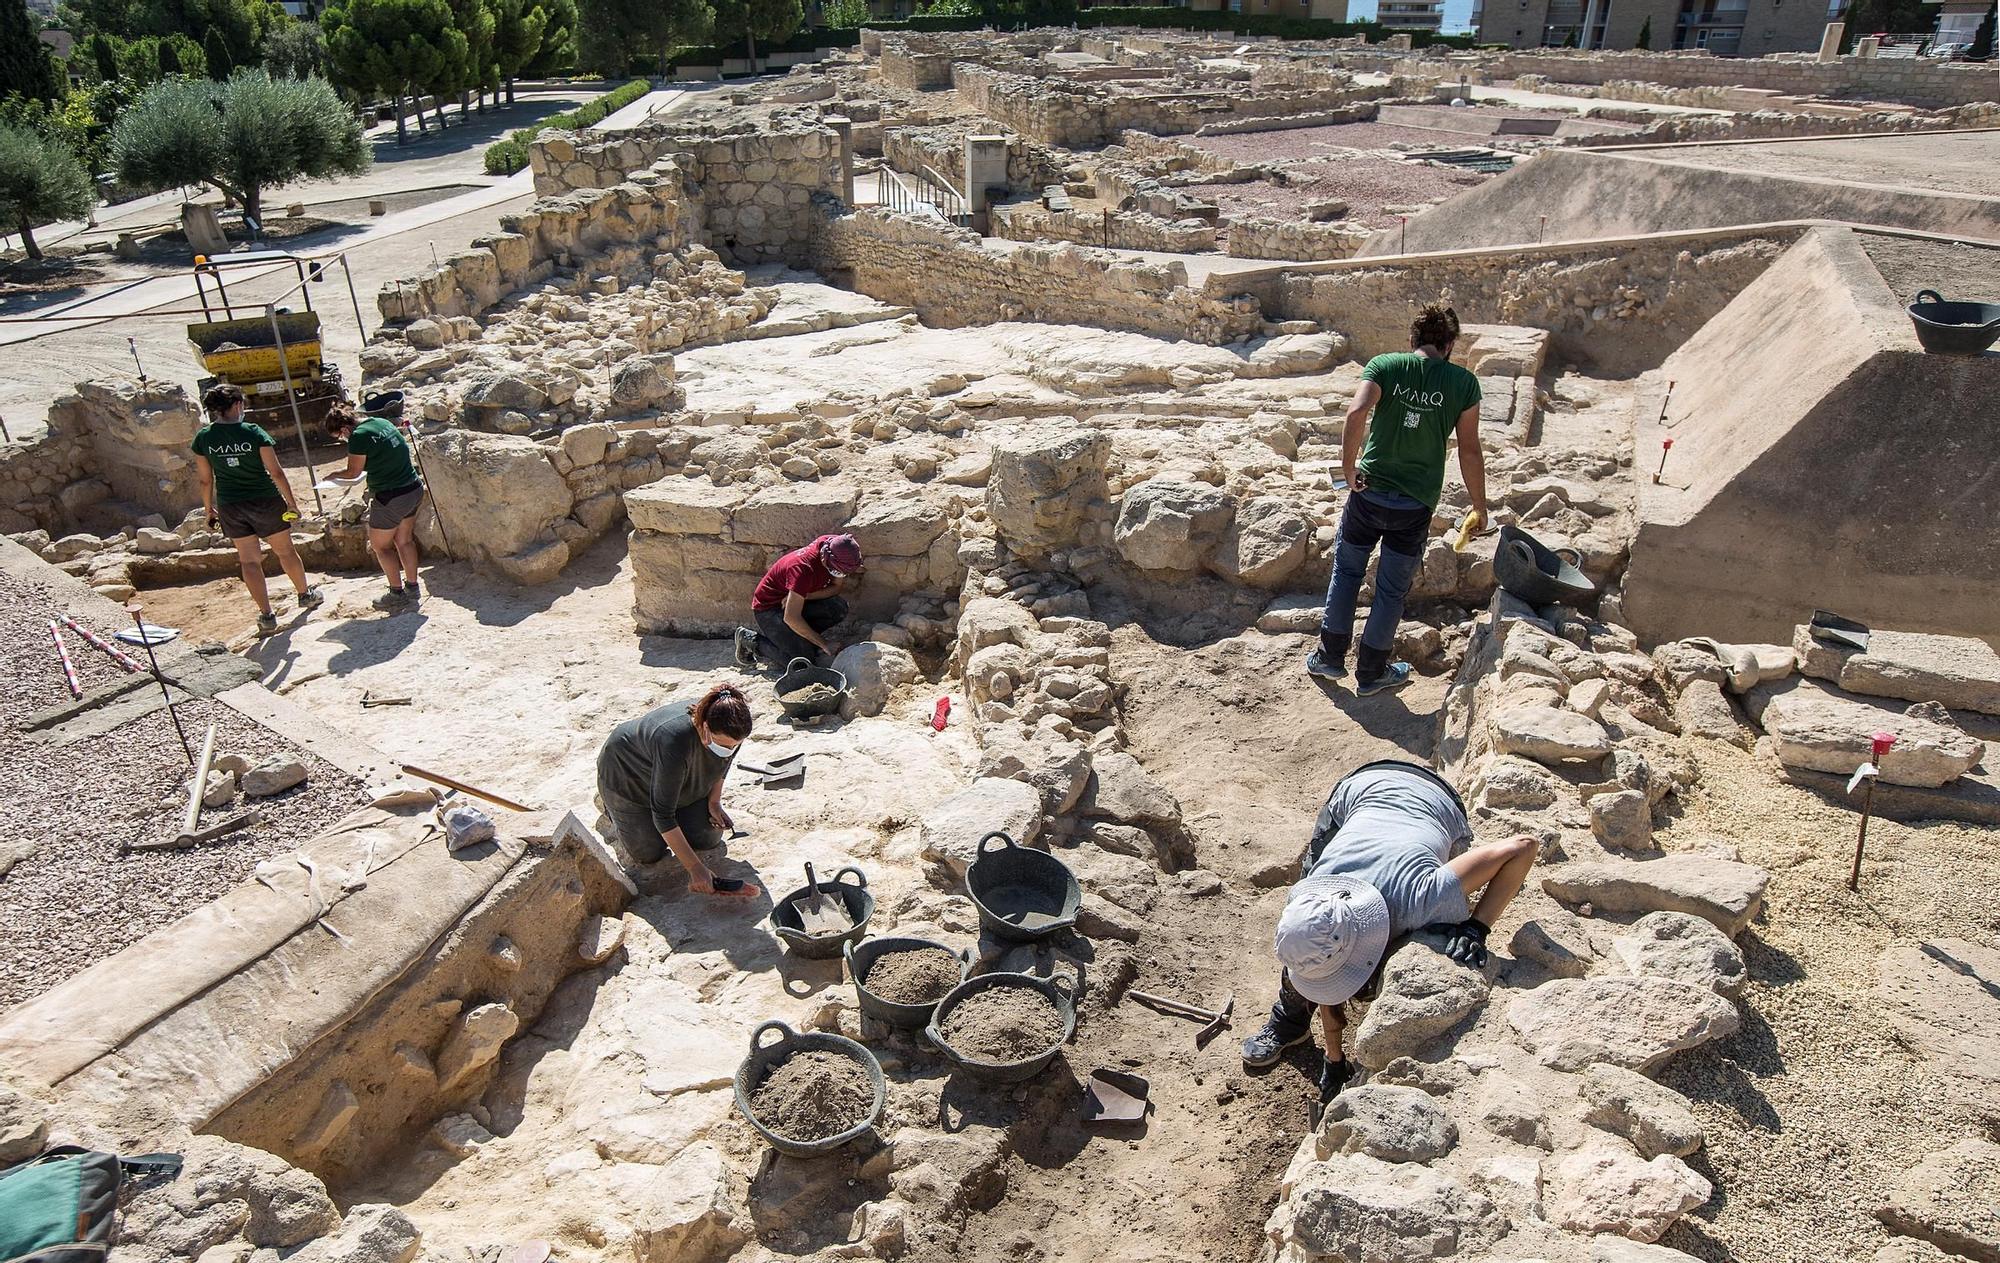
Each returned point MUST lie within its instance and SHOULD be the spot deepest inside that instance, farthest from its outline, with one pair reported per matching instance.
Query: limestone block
(1949, 1198)
(499, 492)
(1040, 482)
(1558, 943)
(873, 670)
(1395, 1124)
(1727, 893)
(1548, 734)
(586, 444)
(273, 775)
(1264, 545)
(989, 620)
(1637, 1023)
(1959, 672)
(897, 526)
(371, 1233)
(1170, 525)
(1507, 782)
(1820, 730)
(951, 829)
(1654, 1117)
(1058, 768)
(1511, 1110)
(682, 506)
(793, 515)
(1352, 1206)
(24, 1127)
(1424, 994)
(1121, 790)
(1609, 1191)
(642, 382)
(1622, 821)
(1685, 948)
(537, 563)
(475, 1040)
(1293, 613)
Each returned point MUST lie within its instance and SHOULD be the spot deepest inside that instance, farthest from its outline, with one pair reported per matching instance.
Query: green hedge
(504, 157)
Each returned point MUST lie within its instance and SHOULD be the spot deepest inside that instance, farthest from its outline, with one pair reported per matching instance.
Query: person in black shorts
(244, 490)
(379, 451)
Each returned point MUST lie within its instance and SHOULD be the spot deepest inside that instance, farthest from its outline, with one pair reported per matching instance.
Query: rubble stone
(1632, 1022)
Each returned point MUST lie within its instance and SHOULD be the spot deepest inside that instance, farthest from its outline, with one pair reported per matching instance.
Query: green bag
(59, 1208)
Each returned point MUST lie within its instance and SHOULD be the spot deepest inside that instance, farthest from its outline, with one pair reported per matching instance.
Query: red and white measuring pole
(62, 651)
(96, 641)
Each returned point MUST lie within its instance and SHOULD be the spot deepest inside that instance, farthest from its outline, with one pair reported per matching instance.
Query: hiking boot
(1394, 676)
(1323, 667)
(410, 588)
(393, 599)
(746, 648)
(267, 624)
(311, 598)
(1269, 1042)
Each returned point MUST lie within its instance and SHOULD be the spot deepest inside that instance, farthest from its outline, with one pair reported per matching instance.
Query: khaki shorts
(391, 511)
(261, 518)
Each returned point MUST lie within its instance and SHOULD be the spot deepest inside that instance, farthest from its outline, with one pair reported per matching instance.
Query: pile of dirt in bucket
(810, 695)
(813, 1095)
(1003, 1024)
(920, 975)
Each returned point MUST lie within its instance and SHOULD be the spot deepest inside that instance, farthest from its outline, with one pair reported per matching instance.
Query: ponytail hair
(724, 709)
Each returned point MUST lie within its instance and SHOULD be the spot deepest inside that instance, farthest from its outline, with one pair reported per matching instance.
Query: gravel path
(79, 897)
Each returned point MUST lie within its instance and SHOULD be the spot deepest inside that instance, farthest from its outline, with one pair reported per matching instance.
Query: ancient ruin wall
(1617, 307)
(953, 279)
(1783, 125)
(1261, 238)
(115, 439)
(1896, 79)
(1125, 230)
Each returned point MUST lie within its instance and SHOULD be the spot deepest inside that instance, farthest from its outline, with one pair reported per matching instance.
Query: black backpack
(59, 1208)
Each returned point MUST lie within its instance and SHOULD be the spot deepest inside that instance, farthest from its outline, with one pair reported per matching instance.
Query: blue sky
(1457, 13)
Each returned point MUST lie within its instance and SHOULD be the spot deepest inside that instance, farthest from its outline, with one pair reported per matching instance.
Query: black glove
(1332, 1078)
(1466, 943)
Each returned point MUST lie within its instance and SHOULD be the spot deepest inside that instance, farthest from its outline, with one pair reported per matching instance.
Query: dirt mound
(917, 976)
(810, 695)
(1003, 1024)
(813, 1095)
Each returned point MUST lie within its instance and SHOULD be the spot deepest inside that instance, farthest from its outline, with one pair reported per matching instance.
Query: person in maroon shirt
(798, 601)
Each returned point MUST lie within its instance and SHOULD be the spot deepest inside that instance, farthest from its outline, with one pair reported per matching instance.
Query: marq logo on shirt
(231, 453)
(1415, 400)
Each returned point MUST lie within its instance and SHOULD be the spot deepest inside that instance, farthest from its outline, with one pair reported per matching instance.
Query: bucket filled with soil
(1005, 1027)
(901, 980)
(808, 1094)
(807, 692)
(848, 890)
(1022, 894)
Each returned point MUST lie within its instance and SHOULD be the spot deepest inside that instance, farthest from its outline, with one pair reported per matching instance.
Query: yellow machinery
(276, 356)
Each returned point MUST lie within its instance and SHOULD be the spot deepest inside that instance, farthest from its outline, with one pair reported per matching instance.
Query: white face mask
(719, 750)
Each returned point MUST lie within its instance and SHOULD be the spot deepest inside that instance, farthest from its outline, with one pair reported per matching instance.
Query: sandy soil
(1815, 1109)
(1313, 142)
(1367, 185)
(1956, 162)
(1958, 270)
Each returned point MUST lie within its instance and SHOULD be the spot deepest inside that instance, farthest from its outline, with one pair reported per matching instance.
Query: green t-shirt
(388, 453)
(1422, 399)
(232, 451)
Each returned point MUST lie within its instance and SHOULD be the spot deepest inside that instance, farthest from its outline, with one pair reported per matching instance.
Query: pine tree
(1645, 39)
(170, 59)
(215, 51)
(104, 57)
(25, 65)
(517, 38)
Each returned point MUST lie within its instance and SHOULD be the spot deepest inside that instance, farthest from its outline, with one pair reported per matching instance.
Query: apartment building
(1749, 28)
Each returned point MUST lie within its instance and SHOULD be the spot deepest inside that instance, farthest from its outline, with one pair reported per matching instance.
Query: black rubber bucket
(1022, 894)
(801, 673)
(1061, 994)
(1954, 328)
(1539, 575)
(764, 1058)
(862, 958)
(853, 896)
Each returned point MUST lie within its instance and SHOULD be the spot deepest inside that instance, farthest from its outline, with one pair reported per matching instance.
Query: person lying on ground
(244, 491)
(1419, 399)
(380, 452)
(798, 601)
(660, 777)
(1379, 867)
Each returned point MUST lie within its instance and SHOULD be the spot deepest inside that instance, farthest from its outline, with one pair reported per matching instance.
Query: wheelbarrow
(1954, 328)
(764, 1058)
(1536, 573)
(1022, 894)
(801, 674)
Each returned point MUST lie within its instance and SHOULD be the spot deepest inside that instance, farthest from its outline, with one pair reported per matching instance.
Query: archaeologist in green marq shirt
(1419, 399)
(244, 491)
(380, 451)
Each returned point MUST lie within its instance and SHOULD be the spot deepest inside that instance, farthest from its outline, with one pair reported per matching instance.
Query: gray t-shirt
(658, 762)
(1394, 826)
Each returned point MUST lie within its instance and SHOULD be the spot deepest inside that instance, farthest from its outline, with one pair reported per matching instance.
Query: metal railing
(925, 193)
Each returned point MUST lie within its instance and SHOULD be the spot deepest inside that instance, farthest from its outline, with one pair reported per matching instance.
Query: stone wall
(1780, 124)
(117, 439)
(952, 279)
(750, 173)
(1127, 230)
(1031, 167)
(1259, 238)
(1615, 307)
(1896, 79)
(699, 547)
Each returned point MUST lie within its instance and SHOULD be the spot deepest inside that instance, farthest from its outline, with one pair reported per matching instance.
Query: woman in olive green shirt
(378, 450)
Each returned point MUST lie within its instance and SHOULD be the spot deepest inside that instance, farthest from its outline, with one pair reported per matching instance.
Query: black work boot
(1269, 1042)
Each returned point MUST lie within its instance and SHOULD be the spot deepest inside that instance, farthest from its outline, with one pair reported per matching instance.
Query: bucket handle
(1072, 986)
(860, 878)
(981, 850)
(757, 1036)
(847, 954)
(1932, 294)
(798, 664)
(1570, 555)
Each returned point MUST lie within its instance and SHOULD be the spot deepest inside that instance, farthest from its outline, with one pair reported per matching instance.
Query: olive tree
(243, 136)
(41, 182)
